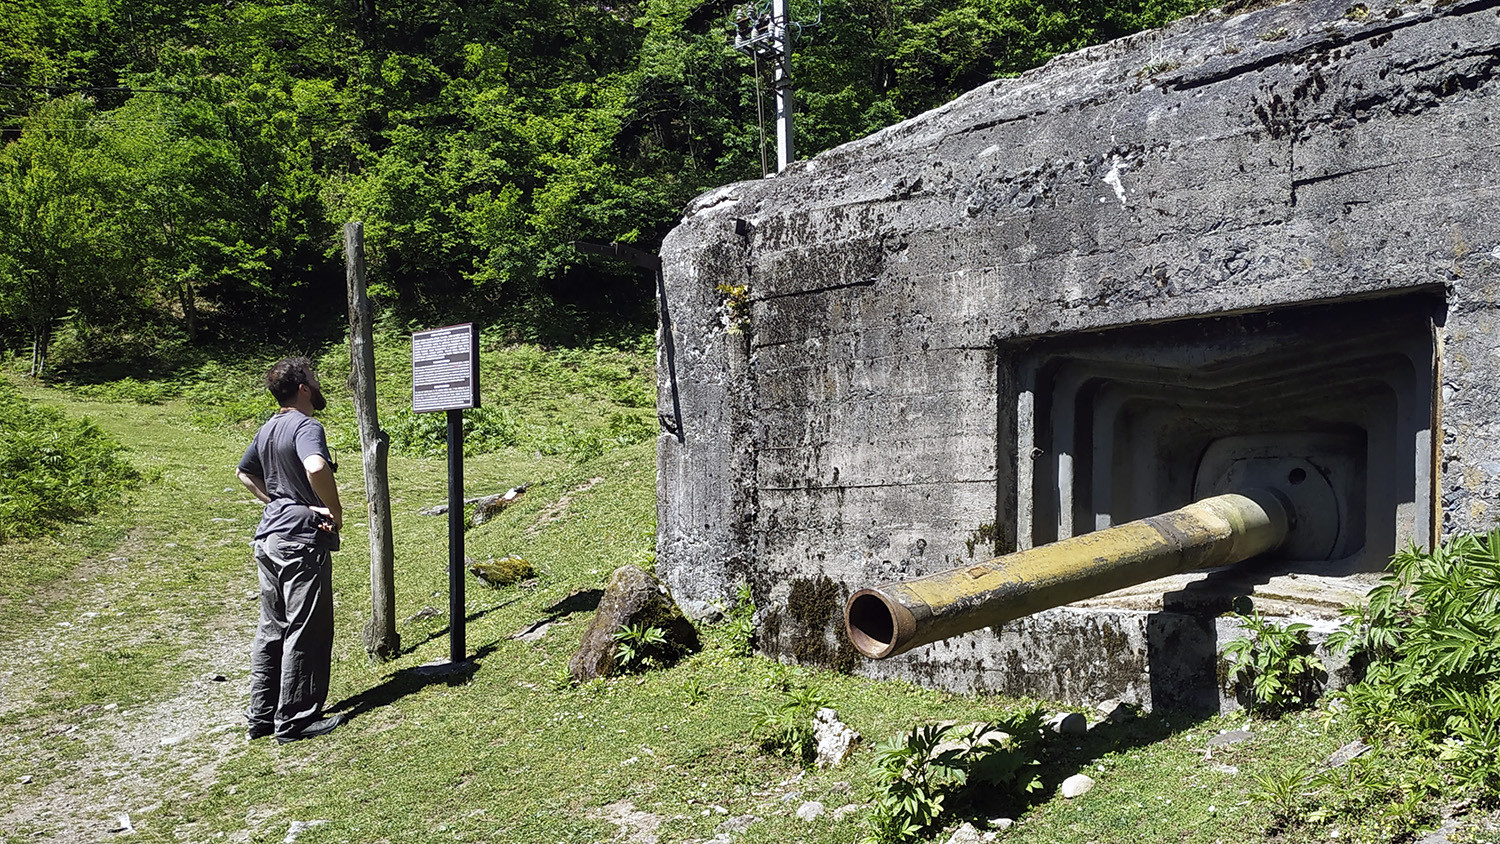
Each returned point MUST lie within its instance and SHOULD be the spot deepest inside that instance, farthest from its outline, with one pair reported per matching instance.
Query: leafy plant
(740, 623)
(1285, 792)
(639, 647)
(1430, 633)
(53, 469)
(934, 771)
(785, 727)
(1275, 665)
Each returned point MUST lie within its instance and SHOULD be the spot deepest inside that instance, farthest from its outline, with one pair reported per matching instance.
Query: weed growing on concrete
(740, 623)
(1274, 666)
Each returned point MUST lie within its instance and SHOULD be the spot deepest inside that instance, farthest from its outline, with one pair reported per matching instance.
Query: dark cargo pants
(293, 649)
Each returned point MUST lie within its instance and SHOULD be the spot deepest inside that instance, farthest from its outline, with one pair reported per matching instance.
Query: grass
(158, 593)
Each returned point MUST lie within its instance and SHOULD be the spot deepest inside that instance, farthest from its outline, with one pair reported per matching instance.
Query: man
(288, 467)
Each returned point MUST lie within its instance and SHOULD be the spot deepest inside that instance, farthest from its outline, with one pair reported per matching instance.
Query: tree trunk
(382, 642)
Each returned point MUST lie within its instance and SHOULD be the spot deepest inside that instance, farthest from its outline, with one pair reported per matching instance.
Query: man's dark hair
(286, 376)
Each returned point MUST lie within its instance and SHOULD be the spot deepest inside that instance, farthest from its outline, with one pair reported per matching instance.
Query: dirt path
(98, 772)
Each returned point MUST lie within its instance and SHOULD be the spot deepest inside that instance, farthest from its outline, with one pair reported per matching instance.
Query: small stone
(1227, 770)
(1115, 711)
(844, 811)
(1001, 824)
(810, 811)
(297, 828)
(26, 780)
(968, 834)
(738, 823)
(1343, 755)
(835, 740)
(1231, 737)
(1068, 724)
(122, 824)
(1077, 786)
(217, 678)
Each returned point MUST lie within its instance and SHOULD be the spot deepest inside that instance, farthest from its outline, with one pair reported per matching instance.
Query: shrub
(1274, 667)
(785, 727)
(1431, 635)
(640, 648)
(936, 772)
(53, 469)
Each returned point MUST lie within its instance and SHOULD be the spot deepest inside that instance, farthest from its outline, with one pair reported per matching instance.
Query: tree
(55, 241)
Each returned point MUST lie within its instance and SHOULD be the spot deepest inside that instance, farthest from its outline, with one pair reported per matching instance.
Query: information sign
(445, 369)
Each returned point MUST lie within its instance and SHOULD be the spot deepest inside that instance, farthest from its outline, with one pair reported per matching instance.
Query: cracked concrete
(862, 419)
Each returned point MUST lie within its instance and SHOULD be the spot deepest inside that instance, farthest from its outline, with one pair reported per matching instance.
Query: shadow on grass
(409, 681)
(583, 600)
(1061, 756)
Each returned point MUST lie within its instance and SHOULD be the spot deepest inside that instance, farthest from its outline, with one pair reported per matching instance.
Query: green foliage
(219, 145)
(739, 623)
(640, 648)
(785, 726)
(935, 772)
(1430, 633)
(1275, 664)
(53, 469)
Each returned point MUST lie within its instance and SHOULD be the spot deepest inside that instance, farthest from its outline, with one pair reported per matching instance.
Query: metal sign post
(445, 376)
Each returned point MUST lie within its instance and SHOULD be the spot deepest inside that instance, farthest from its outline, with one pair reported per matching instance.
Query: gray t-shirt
(276, 456)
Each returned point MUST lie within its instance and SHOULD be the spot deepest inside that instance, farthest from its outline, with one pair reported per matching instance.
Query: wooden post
(382, 642)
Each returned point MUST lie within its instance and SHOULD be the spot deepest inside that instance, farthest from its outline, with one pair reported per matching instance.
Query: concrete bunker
(1088, 296)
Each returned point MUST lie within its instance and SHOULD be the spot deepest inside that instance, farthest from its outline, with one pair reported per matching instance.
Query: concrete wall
(846, 409)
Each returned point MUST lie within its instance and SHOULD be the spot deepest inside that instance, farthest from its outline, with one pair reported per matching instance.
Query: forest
(174, 173)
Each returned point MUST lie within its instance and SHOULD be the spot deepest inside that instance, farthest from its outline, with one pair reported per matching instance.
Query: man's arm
(320, 476)
(256, 484)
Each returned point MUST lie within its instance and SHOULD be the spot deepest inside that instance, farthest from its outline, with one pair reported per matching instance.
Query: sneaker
(259, 731)
(313, 730)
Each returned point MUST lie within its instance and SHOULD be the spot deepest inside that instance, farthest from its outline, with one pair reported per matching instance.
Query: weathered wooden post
(382, 642)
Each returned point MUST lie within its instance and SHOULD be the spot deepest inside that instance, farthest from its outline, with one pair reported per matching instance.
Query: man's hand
(320, 477)
(329, 522)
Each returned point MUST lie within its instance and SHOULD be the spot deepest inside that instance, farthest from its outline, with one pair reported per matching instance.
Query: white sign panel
(445, 368)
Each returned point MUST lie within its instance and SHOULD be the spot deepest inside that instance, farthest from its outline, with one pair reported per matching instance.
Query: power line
(81, 88)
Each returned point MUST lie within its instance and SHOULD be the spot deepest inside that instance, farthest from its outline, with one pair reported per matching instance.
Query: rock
(1077, 786)
(1068, 724)
(26, 780)
(969, 834)
(1114, 711)
(297, 828)
(633, 597)
(1228, 738)
(810, 811)
(738, 823)
(534, 631)
(1001, 824)
(502, 572)
(835, 740)
(122, 824)
(491, 506)
(845, 811)
(1343, 755)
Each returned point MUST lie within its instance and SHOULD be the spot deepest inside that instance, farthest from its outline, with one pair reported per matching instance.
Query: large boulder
(633, 597)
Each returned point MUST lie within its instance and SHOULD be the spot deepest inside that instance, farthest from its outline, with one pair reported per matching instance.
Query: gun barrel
(1218, 531)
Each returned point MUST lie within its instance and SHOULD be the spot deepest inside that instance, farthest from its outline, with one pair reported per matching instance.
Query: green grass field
(124, 655)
